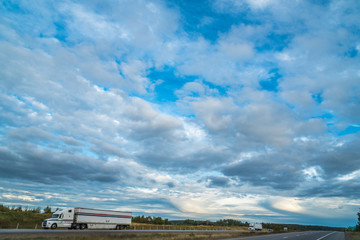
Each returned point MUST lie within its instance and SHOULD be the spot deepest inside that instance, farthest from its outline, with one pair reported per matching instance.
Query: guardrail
(21, 226)
(183, 228)
(137, 227)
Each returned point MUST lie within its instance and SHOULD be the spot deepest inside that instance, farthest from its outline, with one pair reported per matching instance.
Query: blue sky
(183, 109)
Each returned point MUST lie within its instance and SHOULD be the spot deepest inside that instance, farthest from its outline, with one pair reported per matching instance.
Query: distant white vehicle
(255, 227)
(82, 218)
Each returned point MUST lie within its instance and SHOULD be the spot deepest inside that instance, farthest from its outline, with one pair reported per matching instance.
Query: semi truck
(255, 227)
(87, 218)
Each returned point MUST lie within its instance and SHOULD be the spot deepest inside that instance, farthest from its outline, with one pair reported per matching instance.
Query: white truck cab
(63, 218)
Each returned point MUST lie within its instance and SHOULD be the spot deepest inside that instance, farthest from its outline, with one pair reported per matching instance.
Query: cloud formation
(236, 109)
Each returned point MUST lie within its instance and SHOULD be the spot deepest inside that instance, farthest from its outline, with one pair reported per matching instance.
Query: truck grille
(44, 224)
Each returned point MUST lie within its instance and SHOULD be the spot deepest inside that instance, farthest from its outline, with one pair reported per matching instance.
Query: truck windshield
(55, 216)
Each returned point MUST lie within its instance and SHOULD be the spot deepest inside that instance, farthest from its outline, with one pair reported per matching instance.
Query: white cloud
(21, 197)
(350, 176)
(191, 88)
(313, 173)
(260, 4)
(287, 204)
(93, 25)
(283, 56)
(194, 132)
(134, 72)
(237, 51)
(191, 205)
(216, 113)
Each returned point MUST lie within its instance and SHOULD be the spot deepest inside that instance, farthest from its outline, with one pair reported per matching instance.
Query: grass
(352, 236)
(128, 236)
(142, 226)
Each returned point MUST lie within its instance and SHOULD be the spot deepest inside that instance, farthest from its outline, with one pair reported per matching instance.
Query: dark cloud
(170, 184)
(27, 162)
(171, 158)
(340, 160)
(104, 149)
(267, 170)
(217, 181)
(333, 188)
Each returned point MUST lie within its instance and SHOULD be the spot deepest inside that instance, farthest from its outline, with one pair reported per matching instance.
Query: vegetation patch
(25, 218)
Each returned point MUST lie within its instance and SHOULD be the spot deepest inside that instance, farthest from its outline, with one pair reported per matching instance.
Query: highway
(313, 235)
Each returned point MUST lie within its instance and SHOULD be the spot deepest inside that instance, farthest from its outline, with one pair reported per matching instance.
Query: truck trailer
(87, 218)
(255, 227)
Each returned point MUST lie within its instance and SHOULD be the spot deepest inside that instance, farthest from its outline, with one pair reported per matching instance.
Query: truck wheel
(82, 226)
(53, 226)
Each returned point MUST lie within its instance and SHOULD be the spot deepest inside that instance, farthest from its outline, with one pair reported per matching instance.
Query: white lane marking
(325, 236)
(285, 237)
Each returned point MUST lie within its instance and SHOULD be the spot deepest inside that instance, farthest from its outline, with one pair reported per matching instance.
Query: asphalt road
(315, 235)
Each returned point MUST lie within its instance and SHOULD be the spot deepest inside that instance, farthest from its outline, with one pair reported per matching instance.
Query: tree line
(358, 224)
(188, 222)
(150, 220)
(24, 209)
(231, 223)
(26, 215)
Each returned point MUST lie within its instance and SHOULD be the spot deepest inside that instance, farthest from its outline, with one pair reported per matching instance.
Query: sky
(241, 109)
